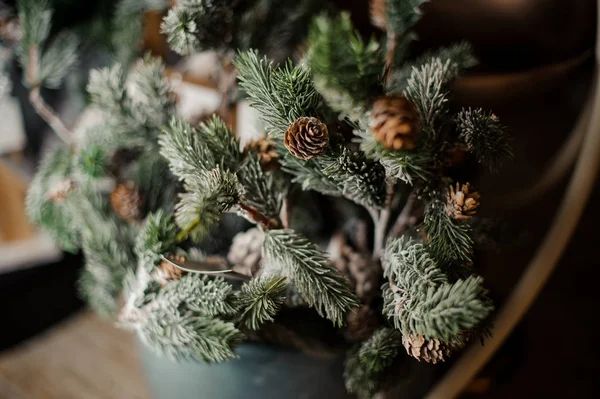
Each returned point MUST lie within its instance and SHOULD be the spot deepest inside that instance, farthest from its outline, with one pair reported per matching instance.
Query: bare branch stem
(403, 219)
(35, 98)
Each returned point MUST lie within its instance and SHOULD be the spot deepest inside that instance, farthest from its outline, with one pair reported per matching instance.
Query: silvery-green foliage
(260, 299)
(420, 299)
(322, 286)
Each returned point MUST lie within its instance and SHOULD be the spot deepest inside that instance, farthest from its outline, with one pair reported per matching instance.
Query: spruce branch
(191, 151)
(135, 106)
(420, 299)
(157, 236)
(309, 174)
(280, 94)
(44, 64)
(485, 137)
(365, 364)
(290, 254)
(45, 203)
(448, 240)
(187, 318)
(260, 190)
(188, 336)
(358, 178)
(260, 299)
(346, 70)
(380, 350)
(194, 25)
(427, 90)
(408, 166)
(107, 259)
(460, 55)
(401, 16)
(206, 198)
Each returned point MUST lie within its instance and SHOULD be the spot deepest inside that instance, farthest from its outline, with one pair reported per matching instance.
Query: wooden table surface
(83, 357)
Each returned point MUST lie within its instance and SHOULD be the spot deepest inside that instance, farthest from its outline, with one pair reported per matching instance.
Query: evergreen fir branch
(205, 200)
(106, 88)
(366, 363)
(92, 160)
(53, 216)
(346, 70)
(409, 264)
(380, 350)
(58, 60)
(45, 63)
(135, 108)
(260, 300)
(107, 259)
(421, 300)
(184, 320)
(403, 15)
(191, 151)
(357, 379)
(194, 25)
(157, 236)
(406, 165)
(460, 55)
(446, 312)
(259, 189)
(280, 94)
(199, 295)
(448, 240)
(427, 89)
(187, 336)
(275, 27)
(35, 18)
(152, 175)
(360, 179)
(308, 173)
(290, 254)
(485, 137)
(152, 102)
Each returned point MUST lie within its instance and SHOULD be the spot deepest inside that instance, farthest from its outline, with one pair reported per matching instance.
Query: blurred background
(535, 71)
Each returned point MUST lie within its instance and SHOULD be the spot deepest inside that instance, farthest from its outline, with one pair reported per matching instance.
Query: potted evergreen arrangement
(341, 231)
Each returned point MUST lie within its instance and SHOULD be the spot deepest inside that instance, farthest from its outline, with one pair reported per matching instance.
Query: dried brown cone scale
(171, 272)
(462, 201)
(266, 150)
(126, 201)
(394, 122)
(430, 350)
(306, 138)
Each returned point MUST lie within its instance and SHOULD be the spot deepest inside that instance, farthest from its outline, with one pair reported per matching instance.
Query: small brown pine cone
(360, 323)
(395, 122)
(378, 13)
(171, 272)
(307, 137)
(265, 149)
(429, 349)
(462, 202)
(245, 251)
(126, 201)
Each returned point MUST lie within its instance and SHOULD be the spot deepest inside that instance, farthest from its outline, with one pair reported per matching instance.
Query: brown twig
(383, 220)
(35, 98)
(254, 214)
(403, 219)
(285, 214)
(392, 43)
